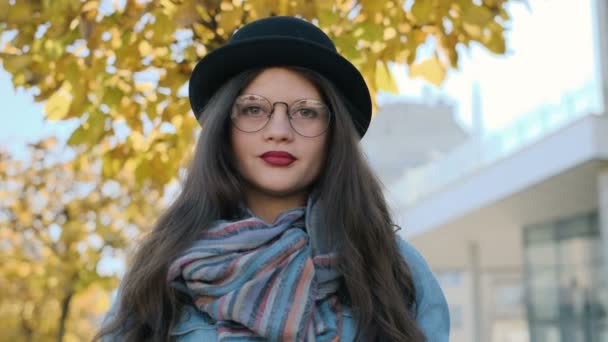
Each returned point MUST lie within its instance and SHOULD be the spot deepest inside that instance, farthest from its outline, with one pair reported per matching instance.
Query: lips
(278, 158)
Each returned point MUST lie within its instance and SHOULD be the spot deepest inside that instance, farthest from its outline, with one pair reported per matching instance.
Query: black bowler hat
(281, 40)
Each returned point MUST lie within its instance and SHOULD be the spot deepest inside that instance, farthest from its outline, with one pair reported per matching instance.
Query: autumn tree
(58, 219)
(121, 71)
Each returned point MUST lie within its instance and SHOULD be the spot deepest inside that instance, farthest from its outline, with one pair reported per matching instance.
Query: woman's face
(260, 155)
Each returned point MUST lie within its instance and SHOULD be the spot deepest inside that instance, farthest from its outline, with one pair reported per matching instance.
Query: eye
(306, 113)
(252, 110)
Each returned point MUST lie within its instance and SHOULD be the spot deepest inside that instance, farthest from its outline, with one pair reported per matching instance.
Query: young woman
(281, 231)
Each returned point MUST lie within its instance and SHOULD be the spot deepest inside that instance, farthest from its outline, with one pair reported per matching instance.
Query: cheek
(239, 147)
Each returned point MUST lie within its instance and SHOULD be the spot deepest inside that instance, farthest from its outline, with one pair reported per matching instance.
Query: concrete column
(600, 15)
(602, 190)
(476, 297)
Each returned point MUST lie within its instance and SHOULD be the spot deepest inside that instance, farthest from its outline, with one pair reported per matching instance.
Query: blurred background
(490, 135)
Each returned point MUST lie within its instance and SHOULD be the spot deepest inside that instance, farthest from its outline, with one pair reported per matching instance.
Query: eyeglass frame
(287, 106)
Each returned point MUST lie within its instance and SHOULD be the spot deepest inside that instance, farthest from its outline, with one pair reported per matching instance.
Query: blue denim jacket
(432, 314)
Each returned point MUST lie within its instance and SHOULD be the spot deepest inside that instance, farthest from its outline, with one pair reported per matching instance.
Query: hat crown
(283, 26)
(282, 41)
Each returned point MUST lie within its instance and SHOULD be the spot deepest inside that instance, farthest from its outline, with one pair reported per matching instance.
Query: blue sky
(546, 59)
(23, 119)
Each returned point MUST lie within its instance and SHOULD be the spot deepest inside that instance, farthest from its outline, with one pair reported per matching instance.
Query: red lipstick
(278, 158)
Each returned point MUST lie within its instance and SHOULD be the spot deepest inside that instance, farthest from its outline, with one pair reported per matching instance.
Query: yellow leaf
(142, 171)
(226, 6)
(384, 79)
(108, 167)
(477, 15)
(25, 218)
(53, 49)
(496, 44)
(377, 46)
(389, 33)
(15, 63)
(309, 9)
(203, 32)
(101, 304)
(430, 69)
(58, 105)
(230, 20)
(258, 8)
(186, 14)
(4, 7)
(144, 86)
(24, 270)
(82, 163)
(372, 6)
(422, 10)
(473, 30)
(137, 141)
(504, 15)
(327, 18)
(347, 45)
(74, 23)
(19, 79)
(404, 27)
(168, 7)
(177, 121)
(48, 143)
(145, 48)
(96, 127)
(203, 12)
(163, 29)
(20, 12)
(129, 166)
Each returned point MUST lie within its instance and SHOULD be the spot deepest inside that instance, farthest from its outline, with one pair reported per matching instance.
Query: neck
(268, 207)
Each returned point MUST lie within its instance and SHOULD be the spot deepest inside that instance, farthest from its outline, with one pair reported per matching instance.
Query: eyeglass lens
(308, 117)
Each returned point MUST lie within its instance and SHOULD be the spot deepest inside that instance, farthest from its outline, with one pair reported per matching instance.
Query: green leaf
(78, 137)
(96, 127)
(112, 97)
(327, 17)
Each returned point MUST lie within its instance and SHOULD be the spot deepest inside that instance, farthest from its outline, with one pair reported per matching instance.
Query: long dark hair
(377, 283)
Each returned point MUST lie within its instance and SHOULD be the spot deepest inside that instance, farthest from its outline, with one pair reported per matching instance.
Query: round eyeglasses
(308, 117)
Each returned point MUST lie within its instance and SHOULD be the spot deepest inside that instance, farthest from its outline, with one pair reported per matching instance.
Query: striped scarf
(264, 282)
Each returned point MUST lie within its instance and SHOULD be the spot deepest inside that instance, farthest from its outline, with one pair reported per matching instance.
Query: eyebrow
(289, 102)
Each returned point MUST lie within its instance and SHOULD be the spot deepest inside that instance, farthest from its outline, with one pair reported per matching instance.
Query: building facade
(515, 223)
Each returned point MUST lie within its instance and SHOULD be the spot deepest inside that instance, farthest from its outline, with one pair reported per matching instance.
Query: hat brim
(225, 62)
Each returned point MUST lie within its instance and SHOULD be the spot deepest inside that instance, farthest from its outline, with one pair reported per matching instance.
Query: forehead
(282, 84)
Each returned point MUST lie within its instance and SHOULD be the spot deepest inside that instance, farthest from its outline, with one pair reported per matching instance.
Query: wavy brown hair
(377, 282)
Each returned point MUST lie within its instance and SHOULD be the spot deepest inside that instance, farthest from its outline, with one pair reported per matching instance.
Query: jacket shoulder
(192, 325)
(432, 314)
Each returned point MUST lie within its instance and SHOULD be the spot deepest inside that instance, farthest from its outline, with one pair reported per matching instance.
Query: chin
(279, 190)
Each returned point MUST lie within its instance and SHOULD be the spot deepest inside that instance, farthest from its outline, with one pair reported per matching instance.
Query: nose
(279, 128)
